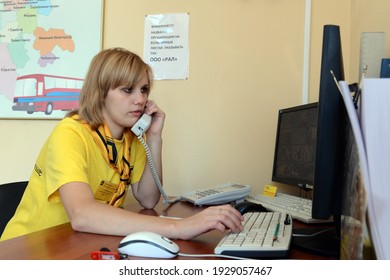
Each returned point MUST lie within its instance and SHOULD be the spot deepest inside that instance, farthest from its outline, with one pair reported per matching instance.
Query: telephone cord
(154, 172)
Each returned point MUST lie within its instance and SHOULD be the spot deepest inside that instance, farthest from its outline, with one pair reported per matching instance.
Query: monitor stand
(321, 241)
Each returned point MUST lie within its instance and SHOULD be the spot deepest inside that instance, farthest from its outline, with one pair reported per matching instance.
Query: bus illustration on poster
(46, 93)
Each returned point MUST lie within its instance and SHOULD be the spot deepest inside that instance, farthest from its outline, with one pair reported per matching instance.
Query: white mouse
(148, 244)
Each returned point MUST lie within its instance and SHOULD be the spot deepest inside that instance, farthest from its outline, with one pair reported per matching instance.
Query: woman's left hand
(158, 118)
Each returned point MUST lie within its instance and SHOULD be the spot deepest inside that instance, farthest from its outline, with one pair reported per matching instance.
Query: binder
(385, 68)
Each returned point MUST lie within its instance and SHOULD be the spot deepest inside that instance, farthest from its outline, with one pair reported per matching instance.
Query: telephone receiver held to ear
(142, 125)
(139, 128)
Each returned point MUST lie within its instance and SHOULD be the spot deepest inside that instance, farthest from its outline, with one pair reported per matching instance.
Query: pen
(276, 232)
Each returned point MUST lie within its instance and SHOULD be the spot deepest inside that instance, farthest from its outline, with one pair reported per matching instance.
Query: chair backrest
(10, 196)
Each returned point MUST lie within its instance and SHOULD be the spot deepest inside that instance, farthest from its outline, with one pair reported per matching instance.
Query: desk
(62, 243)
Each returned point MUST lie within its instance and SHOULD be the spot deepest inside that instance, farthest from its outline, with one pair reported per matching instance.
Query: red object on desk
(104, 255)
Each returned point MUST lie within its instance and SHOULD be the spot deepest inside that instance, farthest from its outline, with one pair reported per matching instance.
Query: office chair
(10, 196)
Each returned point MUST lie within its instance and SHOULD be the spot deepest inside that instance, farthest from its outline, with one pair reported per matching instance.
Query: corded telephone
(139, 128)
(215, 195)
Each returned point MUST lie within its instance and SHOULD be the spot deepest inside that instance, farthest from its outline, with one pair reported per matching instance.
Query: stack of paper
(371, 129)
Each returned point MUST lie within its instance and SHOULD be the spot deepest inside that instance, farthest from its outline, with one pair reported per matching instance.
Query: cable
(313, 234)
(154, 172)
(212, 256)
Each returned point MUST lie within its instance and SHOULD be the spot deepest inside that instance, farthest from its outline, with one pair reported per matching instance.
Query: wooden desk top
(62, 243)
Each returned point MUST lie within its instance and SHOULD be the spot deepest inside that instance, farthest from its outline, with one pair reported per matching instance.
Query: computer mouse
(247, 206)
(148, 244)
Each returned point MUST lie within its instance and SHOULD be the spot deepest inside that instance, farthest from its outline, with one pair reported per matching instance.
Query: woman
(91, 158)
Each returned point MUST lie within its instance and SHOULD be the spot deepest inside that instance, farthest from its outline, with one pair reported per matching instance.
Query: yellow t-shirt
(69, 155)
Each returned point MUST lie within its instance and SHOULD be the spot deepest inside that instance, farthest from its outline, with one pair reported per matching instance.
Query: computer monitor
(331, 130)
(295, 147)
(309, 150)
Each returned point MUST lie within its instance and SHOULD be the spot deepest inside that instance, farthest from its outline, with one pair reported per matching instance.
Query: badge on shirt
(106, 190)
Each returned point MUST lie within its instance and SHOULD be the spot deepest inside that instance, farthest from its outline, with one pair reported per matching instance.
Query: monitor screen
(295, 147)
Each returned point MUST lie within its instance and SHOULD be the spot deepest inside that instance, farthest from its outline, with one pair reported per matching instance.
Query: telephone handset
(139, 128)
(142, 125)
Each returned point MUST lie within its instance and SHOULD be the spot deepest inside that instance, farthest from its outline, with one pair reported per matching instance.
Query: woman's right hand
(221, 218)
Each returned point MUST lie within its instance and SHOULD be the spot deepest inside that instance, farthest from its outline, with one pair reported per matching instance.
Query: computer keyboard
(265, 235)
(218, 194)
(298, 207)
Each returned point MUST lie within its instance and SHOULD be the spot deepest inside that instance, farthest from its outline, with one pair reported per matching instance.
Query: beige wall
(327, 12)
(368, 16)
(246, 62)
(221, 122)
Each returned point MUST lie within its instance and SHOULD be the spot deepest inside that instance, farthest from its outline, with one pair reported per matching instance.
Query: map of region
(44, 54)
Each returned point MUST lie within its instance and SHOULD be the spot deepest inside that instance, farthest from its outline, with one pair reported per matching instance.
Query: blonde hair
(109, 69)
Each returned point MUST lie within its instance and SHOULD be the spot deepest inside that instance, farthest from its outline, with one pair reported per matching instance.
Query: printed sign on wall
(166, 45)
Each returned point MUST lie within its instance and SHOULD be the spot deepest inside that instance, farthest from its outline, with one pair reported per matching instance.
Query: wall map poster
(45, 50)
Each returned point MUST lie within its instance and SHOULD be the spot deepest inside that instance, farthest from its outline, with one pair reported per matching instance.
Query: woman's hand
(158, 118)
(221, 218)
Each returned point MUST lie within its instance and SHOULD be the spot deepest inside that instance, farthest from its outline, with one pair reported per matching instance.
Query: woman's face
(123, 106)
